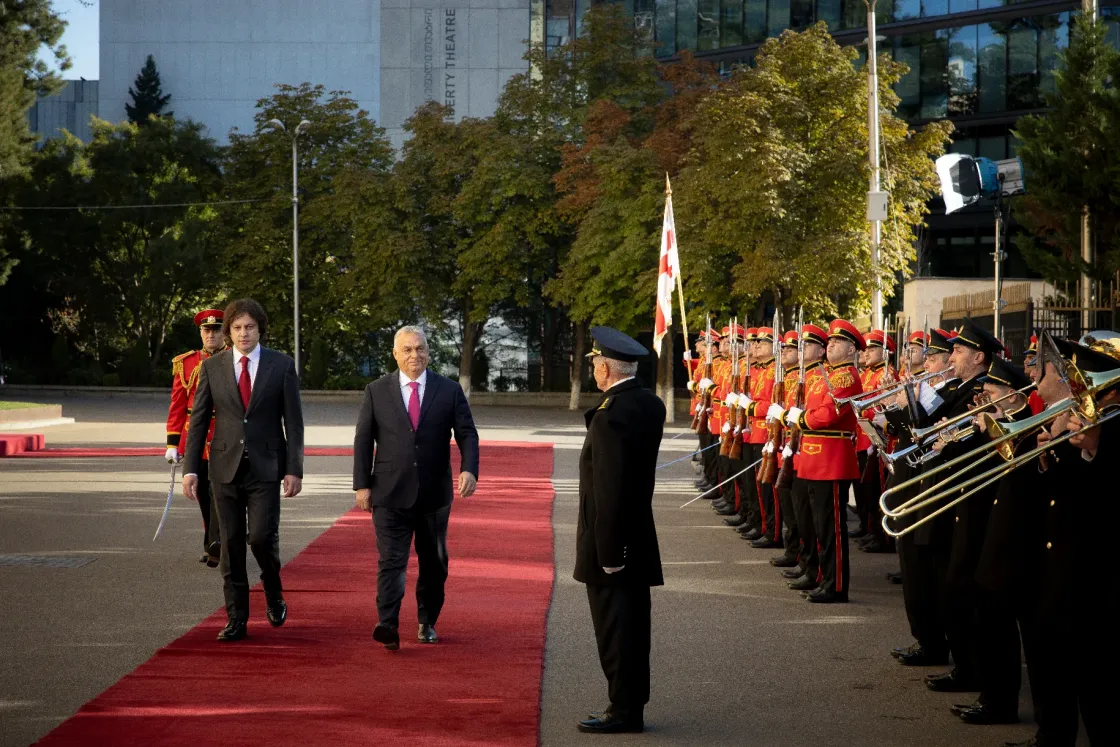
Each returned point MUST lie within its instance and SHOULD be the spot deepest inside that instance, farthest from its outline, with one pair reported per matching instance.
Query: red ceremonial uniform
(761, 394)
(696, 376)
(827, 436)
(789, 386)
(721, 373)
(871, 379)
(185, 370)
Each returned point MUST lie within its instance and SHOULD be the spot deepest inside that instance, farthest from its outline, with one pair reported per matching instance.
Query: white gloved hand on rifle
(775, 412)
(787, 452)
(793, 414)
(706, 384)
(731, 399)
(171, 455)
(691, 385)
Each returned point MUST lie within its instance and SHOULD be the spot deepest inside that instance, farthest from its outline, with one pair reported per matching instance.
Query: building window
(731, 24)
(666, 27)
(777, 17)
(707, 24)
(686, 24)
(756, 21)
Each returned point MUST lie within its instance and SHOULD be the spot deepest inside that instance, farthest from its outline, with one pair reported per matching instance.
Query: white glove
(727, 427)
(706, 383)
(775, 412)
(792, 416)
(687, 355)
(880, 420)
(745, 401)
(171, 455)
(691, 385)
(731, 399)
(609, 571)
(870, 449)
(768, 448)
(787, 452)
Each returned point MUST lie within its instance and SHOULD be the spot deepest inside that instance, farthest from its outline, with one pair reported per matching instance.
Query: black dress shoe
(986, 716)
(277, 611)
(956, 708)
(204, 558)
(784, 561)
(719, 503)
(1032, 742)
(793, 573)
(919, 657)
(735, 521)
(764, 543)
(804, 583)
(828, 596)
(875, 545)
(235, 630)
(387, 636)
(608, 723)
(951, 682)
(895, 577)
(426, 634)
(753, 534)
(897, 652)
(726, 511)
(857, 533)
(213, 554)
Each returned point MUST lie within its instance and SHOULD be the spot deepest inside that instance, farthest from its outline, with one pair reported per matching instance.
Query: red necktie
(243, 383)
(414, 404)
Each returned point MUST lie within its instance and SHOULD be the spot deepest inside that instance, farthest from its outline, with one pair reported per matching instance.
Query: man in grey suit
(253, 393)
(410, 415)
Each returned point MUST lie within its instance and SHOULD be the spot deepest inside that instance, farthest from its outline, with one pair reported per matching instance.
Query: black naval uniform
(616, 475)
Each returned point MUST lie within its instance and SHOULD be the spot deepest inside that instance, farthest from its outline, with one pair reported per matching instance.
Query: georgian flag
(668, 271)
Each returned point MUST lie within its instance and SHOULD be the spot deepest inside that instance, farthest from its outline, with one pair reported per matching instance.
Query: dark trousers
(708, 457)
(248, 510)
(747, 487)
(791, 538)
(829, 501)
(868, 490)
(207, 505)
(1069, 677)
(919, 595)
(958, 611)
(621, 618)
(396, 528)
(809, 558)
(1001, 616)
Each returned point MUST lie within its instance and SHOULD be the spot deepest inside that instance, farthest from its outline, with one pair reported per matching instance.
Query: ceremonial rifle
(736, 450)
(730, 426)
(704, 406)
(785, 474)
(770, 451)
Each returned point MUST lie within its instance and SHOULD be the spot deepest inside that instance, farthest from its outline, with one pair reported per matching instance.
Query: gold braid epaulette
(178, 369)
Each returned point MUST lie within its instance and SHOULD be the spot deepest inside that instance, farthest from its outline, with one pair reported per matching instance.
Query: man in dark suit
(252, 393)
(410, 415)
(616, 542)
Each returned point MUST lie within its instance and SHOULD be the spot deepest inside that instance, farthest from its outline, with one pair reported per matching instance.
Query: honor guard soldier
(827, 464)
(1030, 363)
(697, 384)
(185, 369)
(791, 558)
(813, 341)
(729, 501)
(879, 348)
(617, 555)
(762, 380)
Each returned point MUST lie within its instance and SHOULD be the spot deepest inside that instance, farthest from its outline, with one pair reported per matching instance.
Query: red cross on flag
(668, 273)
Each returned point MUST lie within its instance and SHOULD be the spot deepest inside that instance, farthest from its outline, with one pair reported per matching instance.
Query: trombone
(994, 475)
(864, 400)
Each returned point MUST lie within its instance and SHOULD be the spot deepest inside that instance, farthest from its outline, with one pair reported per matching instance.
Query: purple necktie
(414, 404)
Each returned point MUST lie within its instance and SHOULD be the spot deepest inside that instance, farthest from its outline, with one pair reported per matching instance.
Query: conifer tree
(147, 97)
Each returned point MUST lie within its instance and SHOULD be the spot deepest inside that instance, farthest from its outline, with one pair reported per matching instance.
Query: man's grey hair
(410, 330)
(621, 369)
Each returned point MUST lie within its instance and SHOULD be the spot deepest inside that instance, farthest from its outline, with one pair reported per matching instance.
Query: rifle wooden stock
(768, 473)
(785, 474)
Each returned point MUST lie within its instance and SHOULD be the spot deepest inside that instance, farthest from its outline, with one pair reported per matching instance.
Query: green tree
(343, 159)
(774, 195)
(1072, 158)
(117, 276)
(148, 98)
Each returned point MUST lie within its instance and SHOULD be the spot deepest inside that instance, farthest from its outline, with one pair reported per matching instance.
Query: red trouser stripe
(777, 514)
(839, 538)
(761, 503)
(736, 484)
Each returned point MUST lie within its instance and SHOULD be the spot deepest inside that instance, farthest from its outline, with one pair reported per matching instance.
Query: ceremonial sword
(170, 497)
(717, 487)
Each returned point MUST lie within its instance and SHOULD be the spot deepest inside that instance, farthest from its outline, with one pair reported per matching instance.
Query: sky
(80, 38)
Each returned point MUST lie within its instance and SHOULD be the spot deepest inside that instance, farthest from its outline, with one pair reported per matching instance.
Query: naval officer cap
(610, 343)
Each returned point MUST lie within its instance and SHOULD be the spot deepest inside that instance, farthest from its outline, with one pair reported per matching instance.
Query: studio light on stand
(965, 181)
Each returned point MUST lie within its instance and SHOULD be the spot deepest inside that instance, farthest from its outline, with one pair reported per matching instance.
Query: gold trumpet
(1001, 433)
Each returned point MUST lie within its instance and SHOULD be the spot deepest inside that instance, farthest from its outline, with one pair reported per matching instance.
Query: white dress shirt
(406, 390)
(254, 357)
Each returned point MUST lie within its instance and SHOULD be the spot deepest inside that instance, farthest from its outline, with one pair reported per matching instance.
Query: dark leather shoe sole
(922, 659)
(387, 637)
(793, 573)
(237, 634)
(952, 686)
(213, 554)
(804, 584)
(610, 726)
(428, 636)
(764, 543)
(783, 561)
(986, 717)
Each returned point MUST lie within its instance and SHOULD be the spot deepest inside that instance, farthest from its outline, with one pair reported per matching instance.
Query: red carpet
(321, 680)
(20, 443)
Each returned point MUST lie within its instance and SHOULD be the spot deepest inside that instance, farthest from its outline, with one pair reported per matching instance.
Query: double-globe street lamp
(300, 129)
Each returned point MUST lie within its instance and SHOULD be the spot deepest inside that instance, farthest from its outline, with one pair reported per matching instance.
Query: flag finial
(668, 188)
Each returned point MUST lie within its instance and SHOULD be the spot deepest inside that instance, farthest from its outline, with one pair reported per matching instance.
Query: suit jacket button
(246, 420)
(414, 464)
(241, 441)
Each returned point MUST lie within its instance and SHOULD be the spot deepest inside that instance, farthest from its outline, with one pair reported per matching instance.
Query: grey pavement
(737, 658)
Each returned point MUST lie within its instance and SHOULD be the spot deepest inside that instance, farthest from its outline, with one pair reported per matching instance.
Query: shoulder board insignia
(606, 403)
(185, 355)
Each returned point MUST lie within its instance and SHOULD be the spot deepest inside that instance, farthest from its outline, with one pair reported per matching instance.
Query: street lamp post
(876, 200)
(300, 129)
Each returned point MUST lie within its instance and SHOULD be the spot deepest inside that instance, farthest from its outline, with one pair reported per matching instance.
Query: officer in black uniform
(616, 543)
